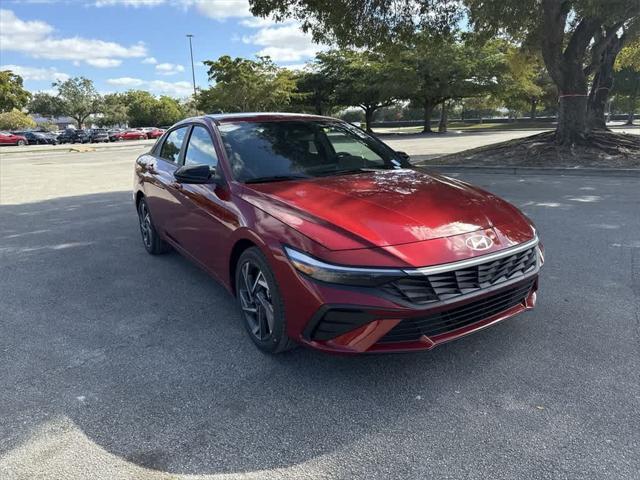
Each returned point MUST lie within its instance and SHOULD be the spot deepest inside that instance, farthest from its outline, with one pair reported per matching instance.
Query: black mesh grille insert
(426, 289)
(458, 317)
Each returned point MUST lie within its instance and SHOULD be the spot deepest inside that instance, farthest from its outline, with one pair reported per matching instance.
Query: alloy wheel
(256, 301)
(145, 224)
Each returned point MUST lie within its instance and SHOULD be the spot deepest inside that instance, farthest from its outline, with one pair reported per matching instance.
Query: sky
(139, 44)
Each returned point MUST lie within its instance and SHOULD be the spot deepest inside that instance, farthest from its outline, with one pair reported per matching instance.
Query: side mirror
(196, 174)
(404, 156)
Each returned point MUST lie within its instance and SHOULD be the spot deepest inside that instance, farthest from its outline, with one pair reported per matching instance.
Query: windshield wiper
(275, 178)
(347, 171)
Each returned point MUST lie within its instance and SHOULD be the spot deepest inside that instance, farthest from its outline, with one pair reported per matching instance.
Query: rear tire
(21, 143)
(260, 303)
(152, 242)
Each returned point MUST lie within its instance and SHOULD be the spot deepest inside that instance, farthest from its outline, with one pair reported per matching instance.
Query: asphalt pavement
(115, 364)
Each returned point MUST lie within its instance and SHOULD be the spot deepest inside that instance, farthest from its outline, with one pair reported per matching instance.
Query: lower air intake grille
(458, 317)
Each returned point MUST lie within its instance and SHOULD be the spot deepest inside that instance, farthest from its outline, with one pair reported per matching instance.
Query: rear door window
(173, 144)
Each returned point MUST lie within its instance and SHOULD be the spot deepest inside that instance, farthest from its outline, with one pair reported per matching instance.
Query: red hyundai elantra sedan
(328, 238)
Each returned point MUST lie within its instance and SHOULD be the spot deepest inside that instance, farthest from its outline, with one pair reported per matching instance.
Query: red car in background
(329, 238)
(154, 132)
(129, 135)
(7, 138)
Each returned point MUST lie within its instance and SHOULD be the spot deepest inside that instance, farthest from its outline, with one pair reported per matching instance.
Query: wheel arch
(238, 248)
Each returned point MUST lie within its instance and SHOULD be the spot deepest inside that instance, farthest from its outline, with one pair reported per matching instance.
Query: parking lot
(116, 364)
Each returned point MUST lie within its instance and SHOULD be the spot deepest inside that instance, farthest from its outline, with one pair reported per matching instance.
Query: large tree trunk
(534, 107)
(442, 126)
(368, 117)
(603, 81)
(572, 119)
(565, 65)
(428, 113)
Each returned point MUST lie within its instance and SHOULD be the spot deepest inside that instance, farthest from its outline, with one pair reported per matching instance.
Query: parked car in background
(154, 132)
(8, 138)
(128, 135)
(99, 135)
(74, 136)
(37, 138)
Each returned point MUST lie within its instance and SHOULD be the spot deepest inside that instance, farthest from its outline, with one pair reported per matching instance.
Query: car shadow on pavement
(148, 356)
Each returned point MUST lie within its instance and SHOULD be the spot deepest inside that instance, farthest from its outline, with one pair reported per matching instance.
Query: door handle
(177, 186)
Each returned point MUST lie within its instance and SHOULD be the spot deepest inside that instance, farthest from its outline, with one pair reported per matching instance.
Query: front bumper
(403, 329)
(345, 319)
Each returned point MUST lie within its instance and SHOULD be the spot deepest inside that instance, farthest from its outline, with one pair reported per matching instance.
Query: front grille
(421, 290)
(447, 321)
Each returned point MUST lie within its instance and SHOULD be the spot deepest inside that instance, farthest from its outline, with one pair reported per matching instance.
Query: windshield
(283, 150)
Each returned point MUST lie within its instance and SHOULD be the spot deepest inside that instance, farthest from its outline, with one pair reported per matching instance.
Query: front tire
(260, 303)
(21, 143)
(152, 242)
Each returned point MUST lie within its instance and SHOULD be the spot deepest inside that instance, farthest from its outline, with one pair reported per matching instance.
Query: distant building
(61, 122)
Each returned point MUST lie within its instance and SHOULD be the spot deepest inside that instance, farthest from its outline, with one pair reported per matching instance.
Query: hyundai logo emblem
(479, 242)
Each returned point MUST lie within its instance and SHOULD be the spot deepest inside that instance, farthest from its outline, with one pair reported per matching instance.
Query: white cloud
(169, 69)
(35, 38)
(128, 3)
(103, 62)
(36, 74)
(173, 89)
(286, 43)
(150, 60)
(126, 82)
(158, 87)
(216, 9)
(220, 9)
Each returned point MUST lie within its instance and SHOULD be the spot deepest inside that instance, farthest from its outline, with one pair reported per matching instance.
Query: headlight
(327, 272)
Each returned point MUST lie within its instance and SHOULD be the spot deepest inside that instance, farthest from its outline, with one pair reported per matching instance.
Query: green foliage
(78, 99)
(525, 84)
(145, 110)
(243, 85)
(113, 111)
(315, 93)
(46, 105)
(363, 22)
(15, 120)
(369, 80)
(12, 93)
(629, 57)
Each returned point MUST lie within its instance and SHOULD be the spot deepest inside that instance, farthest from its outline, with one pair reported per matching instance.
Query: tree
(12, 93)
(140, 105)
(315, 92)
(45, 105)
(243, 85)
(15, 120)
(563, 30)
(166, 111)
(446, 67)
(113, 110)
(523, 84)
(369, 80)
(78, 99)
(626, 84)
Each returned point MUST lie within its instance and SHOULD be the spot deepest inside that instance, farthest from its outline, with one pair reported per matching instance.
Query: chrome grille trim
(447, 267)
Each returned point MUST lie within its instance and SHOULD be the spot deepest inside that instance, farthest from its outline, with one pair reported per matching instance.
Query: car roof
(263, 116)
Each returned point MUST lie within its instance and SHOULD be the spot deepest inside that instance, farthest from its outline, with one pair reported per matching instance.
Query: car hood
(383, 208)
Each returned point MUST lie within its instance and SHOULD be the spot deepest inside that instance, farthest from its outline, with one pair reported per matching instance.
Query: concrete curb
(576, 171)
(71, 148)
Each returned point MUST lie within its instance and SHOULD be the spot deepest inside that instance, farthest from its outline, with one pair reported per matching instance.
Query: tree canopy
(12, 93)
(243, 85)
(78, 98)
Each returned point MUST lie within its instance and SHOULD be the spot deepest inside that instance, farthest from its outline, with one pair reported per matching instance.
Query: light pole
(193, 71)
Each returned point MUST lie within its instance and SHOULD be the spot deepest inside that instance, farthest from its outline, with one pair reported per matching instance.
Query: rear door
(160, 186)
